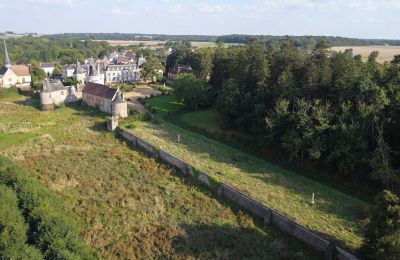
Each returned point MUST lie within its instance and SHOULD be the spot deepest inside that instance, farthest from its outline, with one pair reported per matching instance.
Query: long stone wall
(262, 212)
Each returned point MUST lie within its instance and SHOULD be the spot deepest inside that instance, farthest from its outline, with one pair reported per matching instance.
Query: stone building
(95, 74)
(79, 74)
(122, 73)
(54, 94)
(107, 99)
(48, 68)
(13, 75)
(177, 69)
(68, 71)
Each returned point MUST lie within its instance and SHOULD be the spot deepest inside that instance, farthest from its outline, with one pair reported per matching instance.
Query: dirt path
(139, 92)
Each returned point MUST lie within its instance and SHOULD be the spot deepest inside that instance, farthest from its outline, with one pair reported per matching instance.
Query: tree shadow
(214, 156)
(30, 102)
(228, 242)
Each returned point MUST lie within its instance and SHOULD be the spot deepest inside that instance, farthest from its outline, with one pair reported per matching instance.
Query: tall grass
(336, 215)
(130, 206)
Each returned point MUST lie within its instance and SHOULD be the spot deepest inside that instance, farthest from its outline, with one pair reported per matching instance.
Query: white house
(48, 68)
(122, 73)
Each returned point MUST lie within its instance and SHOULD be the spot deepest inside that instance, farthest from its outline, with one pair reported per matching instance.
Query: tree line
(307, 41)
(64, 51)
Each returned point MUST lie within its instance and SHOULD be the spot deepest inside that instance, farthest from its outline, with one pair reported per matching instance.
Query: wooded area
(329, 109)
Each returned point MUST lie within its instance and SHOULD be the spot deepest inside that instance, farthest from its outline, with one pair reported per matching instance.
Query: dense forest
(299, 41)
(28, 49)
(330, 110)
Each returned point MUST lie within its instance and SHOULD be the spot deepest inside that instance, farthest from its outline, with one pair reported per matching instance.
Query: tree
(382, 233)
(193, 92)
(57, 70)
(151, 68)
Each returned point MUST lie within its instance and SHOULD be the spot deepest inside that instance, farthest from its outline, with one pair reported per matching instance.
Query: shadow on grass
(330, 202)
(30, 102)
(227, 242)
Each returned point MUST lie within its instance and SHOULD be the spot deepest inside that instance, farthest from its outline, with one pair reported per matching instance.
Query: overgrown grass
(129, 205)
(336, 215)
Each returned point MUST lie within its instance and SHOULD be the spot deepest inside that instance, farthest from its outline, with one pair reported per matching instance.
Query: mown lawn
(164, 104)
(336, 215)
(129, 205)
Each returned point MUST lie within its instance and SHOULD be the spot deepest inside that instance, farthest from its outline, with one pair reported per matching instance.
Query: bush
(13, 229)
(50, 229)
(382, 233)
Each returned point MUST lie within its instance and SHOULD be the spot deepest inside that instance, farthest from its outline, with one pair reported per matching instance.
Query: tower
(7, 63)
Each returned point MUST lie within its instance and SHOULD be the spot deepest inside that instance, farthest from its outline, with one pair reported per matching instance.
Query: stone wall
(260, 211)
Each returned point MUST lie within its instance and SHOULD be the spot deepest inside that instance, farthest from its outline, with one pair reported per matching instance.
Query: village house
(48, 68)
(122, 73)
(68, 71)
(13, 75)
(107, 99)
(177, 69)
(54, 94)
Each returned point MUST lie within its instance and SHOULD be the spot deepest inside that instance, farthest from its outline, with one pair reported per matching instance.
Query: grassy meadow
(336, 215)
(129, 205)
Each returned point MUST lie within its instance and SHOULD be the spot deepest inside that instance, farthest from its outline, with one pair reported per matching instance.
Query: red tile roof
(99, 90)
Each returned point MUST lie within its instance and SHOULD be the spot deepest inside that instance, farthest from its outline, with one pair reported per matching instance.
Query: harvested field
(386, 53)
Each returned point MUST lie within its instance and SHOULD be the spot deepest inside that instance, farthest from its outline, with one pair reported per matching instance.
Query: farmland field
(129, 205)
(386, 53)
(337, 215)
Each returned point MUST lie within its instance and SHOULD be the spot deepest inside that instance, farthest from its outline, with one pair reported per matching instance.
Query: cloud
(119, 12)
(54, 2)
(175, 8)
(327, 5)
(207, 8)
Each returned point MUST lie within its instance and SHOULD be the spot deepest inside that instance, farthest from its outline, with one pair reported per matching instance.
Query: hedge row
(50, 229)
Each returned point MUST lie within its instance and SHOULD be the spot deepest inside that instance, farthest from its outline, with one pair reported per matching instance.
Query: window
(23, 80)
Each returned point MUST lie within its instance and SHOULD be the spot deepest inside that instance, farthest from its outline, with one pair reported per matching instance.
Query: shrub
(382, 233)
(55, 233)
(13, 229)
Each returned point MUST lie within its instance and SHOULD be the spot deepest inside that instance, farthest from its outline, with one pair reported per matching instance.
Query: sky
(347, 18)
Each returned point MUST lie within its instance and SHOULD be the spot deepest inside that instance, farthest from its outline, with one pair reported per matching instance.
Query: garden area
(126, 204)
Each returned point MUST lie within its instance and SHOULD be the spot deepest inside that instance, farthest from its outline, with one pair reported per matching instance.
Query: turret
(119, 105)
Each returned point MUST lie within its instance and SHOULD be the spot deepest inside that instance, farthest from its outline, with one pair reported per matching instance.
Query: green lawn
(129, 205)
(336, 215)
(164, 104)
(208, 120)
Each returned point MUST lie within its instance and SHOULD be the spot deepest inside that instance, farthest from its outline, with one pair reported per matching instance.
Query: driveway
(139, 92)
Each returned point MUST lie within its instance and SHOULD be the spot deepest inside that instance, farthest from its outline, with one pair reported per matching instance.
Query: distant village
(92, 80)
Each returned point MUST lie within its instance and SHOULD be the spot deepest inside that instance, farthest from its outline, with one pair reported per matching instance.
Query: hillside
(129, 205)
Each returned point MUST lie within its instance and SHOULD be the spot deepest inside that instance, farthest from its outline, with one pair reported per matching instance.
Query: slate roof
(54, 86)
(99, 90)
(46, 65)
(181, 69)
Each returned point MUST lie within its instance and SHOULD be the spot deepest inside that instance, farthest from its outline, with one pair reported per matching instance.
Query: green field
(336, 215)
(129, 205)
(164, 104)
